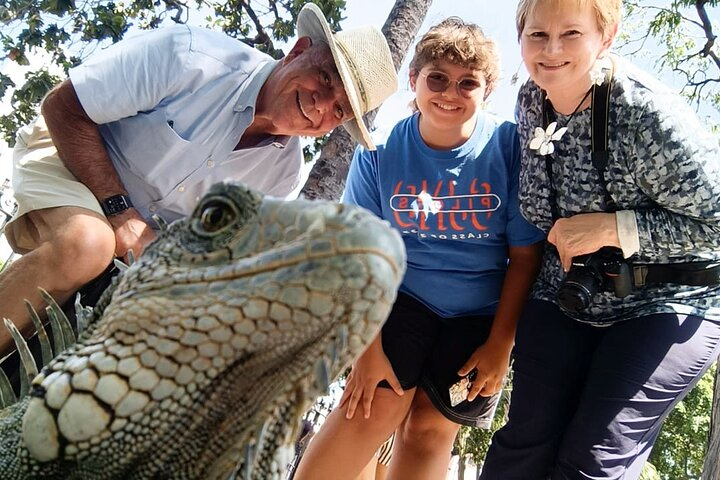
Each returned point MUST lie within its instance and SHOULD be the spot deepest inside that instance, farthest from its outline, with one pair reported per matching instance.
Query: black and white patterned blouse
(664, 165)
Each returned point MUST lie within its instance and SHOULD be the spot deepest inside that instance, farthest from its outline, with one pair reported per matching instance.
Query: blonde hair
(607, 12)
(460, 43)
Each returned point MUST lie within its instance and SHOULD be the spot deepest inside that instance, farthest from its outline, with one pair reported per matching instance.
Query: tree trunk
(711, 468)
(327, 178)
(461, 467)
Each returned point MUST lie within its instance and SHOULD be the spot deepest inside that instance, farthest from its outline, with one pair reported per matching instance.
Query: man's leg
(423, 442)
(640, 370)
(70, 246)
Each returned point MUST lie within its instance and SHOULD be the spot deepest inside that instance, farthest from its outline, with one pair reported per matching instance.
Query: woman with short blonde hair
(625, 315)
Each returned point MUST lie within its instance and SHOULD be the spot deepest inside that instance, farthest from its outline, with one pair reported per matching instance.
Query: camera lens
(574, 297)
(578, 289)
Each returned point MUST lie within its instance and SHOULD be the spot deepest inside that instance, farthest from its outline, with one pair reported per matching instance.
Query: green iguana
(201, 360)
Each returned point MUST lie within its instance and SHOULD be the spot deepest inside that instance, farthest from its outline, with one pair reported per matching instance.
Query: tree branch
(262, 36)
(706, 25)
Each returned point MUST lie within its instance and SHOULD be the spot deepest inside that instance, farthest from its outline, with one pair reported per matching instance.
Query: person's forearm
(522, 270)
(79, 143)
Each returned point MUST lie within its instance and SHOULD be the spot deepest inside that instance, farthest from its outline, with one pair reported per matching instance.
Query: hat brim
(311, 23)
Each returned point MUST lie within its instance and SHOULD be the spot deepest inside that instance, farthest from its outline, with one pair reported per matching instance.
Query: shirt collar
(250, 88)
(249, 92)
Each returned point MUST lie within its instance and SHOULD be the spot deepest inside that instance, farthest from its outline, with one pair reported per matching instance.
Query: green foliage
(25, 99)
(649, 472)
(678, 453)
(685, 31)
(309, 151)
(680, 449)
(69, 31)
(474, 442)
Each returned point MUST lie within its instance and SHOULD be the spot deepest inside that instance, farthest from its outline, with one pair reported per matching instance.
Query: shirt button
(181, 188)
(210, 163)
(152, 208)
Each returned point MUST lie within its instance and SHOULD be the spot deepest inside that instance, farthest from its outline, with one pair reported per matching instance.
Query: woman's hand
(491, 360)
(582, 234)
(368, 370)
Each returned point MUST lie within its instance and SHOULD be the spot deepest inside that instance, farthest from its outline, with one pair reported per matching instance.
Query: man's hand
(491, 361)
(368, 370)
(582, 234)
(131, 233)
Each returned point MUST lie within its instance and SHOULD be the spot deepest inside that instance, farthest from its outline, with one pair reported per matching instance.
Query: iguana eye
(216, 215)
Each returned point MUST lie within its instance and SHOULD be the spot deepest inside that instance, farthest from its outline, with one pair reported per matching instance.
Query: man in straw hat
(147, 125)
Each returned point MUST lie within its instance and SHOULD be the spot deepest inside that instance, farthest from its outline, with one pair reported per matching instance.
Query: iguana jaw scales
(214, 342)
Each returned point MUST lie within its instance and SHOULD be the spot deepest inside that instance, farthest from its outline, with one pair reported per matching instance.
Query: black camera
(604, 270)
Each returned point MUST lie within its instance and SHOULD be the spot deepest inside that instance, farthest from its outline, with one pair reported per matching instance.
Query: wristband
(115, 205)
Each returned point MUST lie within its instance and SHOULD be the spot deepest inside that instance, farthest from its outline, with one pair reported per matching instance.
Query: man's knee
(77, 245)
(83, 254)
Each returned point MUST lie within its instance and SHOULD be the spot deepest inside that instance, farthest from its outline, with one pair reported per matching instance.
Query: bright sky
(497, 18)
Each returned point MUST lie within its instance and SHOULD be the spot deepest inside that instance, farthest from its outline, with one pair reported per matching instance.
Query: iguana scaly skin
(211, 346)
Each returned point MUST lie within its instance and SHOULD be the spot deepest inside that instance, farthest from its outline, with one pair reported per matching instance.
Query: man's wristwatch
(115, 205)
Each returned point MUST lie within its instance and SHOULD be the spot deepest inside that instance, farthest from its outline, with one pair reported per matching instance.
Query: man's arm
(83, 152)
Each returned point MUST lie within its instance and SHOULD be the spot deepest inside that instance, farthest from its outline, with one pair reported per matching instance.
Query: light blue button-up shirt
(172, 104)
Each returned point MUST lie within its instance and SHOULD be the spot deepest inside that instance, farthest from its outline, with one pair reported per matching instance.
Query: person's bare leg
(342, 447)
(74, 246)
(422, 443)
(368, 473)
(381, 472)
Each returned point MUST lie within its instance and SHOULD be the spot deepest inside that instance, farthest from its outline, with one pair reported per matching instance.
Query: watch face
(115, 204)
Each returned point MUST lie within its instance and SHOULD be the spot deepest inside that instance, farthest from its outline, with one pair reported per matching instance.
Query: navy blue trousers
(588, 402)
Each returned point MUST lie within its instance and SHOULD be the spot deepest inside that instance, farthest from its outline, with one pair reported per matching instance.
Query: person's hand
(131, 233)
(368, 370)
(582, 234)
(491, 361)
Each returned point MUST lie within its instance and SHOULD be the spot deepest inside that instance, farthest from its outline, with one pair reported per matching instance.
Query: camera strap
(599, 132)
(697, 274)
(600, 110)
(688, 273)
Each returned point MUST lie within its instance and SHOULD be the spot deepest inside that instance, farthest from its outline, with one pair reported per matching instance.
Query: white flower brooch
(597, 74)
(543, 139)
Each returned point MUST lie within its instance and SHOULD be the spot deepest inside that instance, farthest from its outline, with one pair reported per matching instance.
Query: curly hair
(460, 43)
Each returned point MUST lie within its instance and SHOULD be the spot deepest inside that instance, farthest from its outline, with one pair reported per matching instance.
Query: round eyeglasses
(439, 82)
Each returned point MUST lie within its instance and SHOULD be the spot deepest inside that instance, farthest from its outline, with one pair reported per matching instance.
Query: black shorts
(426, 350)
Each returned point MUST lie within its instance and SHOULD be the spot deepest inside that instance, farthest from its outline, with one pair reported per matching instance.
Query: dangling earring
(516, 75)
(597, 72)
(413, 105)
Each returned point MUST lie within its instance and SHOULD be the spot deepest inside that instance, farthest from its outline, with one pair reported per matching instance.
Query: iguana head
(214, 342)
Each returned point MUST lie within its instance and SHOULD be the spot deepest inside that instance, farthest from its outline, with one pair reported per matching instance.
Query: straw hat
(362, 57)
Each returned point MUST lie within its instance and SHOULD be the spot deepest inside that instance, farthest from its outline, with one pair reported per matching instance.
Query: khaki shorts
(40, 180)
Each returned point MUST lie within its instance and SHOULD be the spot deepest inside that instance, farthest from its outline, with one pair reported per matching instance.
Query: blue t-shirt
(457, 211)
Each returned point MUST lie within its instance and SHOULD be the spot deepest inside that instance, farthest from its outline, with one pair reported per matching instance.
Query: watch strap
(115, 205)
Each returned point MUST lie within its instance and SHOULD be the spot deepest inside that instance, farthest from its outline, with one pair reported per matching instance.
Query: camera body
(603, 270)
